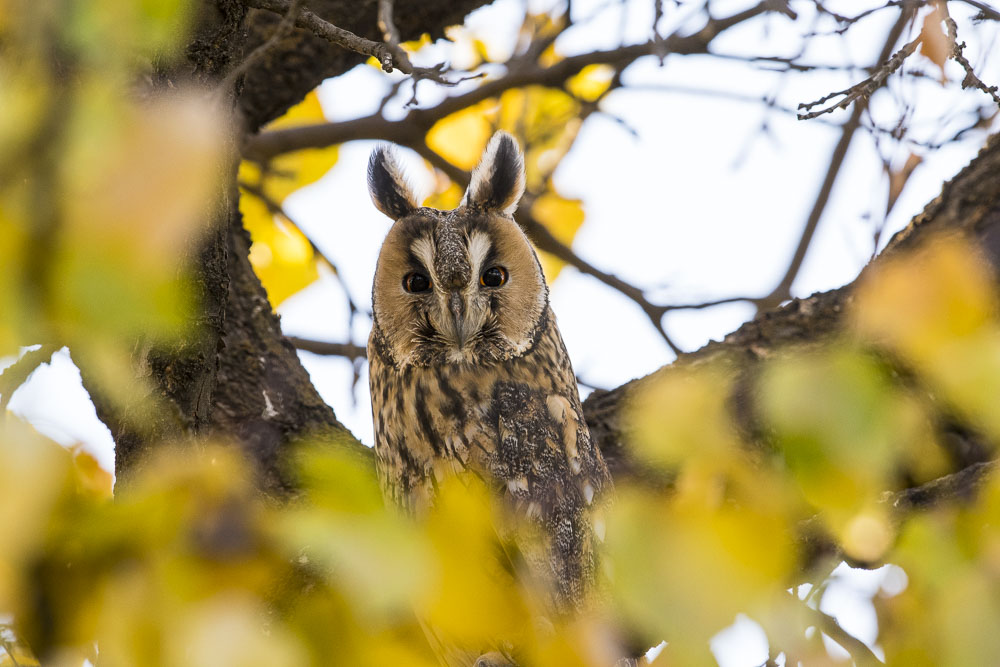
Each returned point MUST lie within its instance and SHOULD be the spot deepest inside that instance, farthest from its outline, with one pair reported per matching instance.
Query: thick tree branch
(414, 125)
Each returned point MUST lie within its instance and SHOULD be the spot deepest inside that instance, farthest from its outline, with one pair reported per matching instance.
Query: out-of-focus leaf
(591, 82)
(947, 613)
(376, 556)
(936, 307)
(231, 629)
(447, 198)
(14, 652)
(461, 137)
(108, 32)
(681, 416)
(681, 571)
(12, 288)
(33, 475)
(135, 205)
(842, 426)
(563, 218)
(684, 565)
(475, 602)
(290, 171)
(547, 119)
(924, 300)
(91, 478)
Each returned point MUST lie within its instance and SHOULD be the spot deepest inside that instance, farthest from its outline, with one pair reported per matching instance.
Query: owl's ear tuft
(498, 182)
(387, 186)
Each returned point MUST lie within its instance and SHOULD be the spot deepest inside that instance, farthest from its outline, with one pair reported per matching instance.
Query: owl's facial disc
(453, 309)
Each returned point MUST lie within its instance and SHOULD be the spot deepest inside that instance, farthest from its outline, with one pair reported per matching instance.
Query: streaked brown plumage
(468, 370)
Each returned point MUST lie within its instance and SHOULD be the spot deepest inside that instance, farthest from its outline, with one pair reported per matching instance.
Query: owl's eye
(416, 282)
(495, 276)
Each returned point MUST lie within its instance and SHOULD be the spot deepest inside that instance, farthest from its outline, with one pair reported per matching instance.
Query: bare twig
(957, 48)
(281, 31)
(323, 28)
(782, 290)
(986, 12)
(859, 651)
(860, 92)
(349, 350)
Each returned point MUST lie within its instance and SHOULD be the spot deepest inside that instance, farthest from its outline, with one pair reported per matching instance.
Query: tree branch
(415, 124)
(349, 350)
(333, 34)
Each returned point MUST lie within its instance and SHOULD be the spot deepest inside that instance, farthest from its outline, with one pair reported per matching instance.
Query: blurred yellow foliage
(592, 82)
(937, 308)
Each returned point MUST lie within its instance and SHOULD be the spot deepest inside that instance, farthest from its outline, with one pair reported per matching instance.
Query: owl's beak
(456, 304)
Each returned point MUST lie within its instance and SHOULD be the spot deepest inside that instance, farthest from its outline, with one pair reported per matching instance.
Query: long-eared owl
(468, 369)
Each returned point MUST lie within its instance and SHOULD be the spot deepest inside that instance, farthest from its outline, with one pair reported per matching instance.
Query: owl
(468, 371)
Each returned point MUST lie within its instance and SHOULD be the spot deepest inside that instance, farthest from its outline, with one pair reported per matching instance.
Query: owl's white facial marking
(423, 249)
(479, 247)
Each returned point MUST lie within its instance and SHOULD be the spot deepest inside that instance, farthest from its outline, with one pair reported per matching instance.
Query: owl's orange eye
(416, 282)
(495, 276)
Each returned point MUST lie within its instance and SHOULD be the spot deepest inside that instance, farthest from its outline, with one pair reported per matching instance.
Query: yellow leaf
(475, 601)
(563, 218)
(448, 198)
(138, 186)
(461, 137)
(936, 307)
(591, 82)
(417, 44)
(281, 255)
(547, 121)
(729, 557)
(841, 424)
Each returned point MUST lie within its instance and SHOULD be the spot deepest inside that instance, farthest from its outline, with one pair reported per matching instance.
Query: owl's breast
(430, 422)
(518, 424)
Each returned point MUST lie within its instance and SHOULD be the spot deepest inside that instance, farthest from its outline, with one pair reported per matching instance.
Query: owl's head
(460, 286)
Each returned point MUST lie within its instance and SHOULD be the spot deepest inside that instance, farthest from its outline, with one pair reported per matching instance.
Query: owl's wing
(552, 471)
